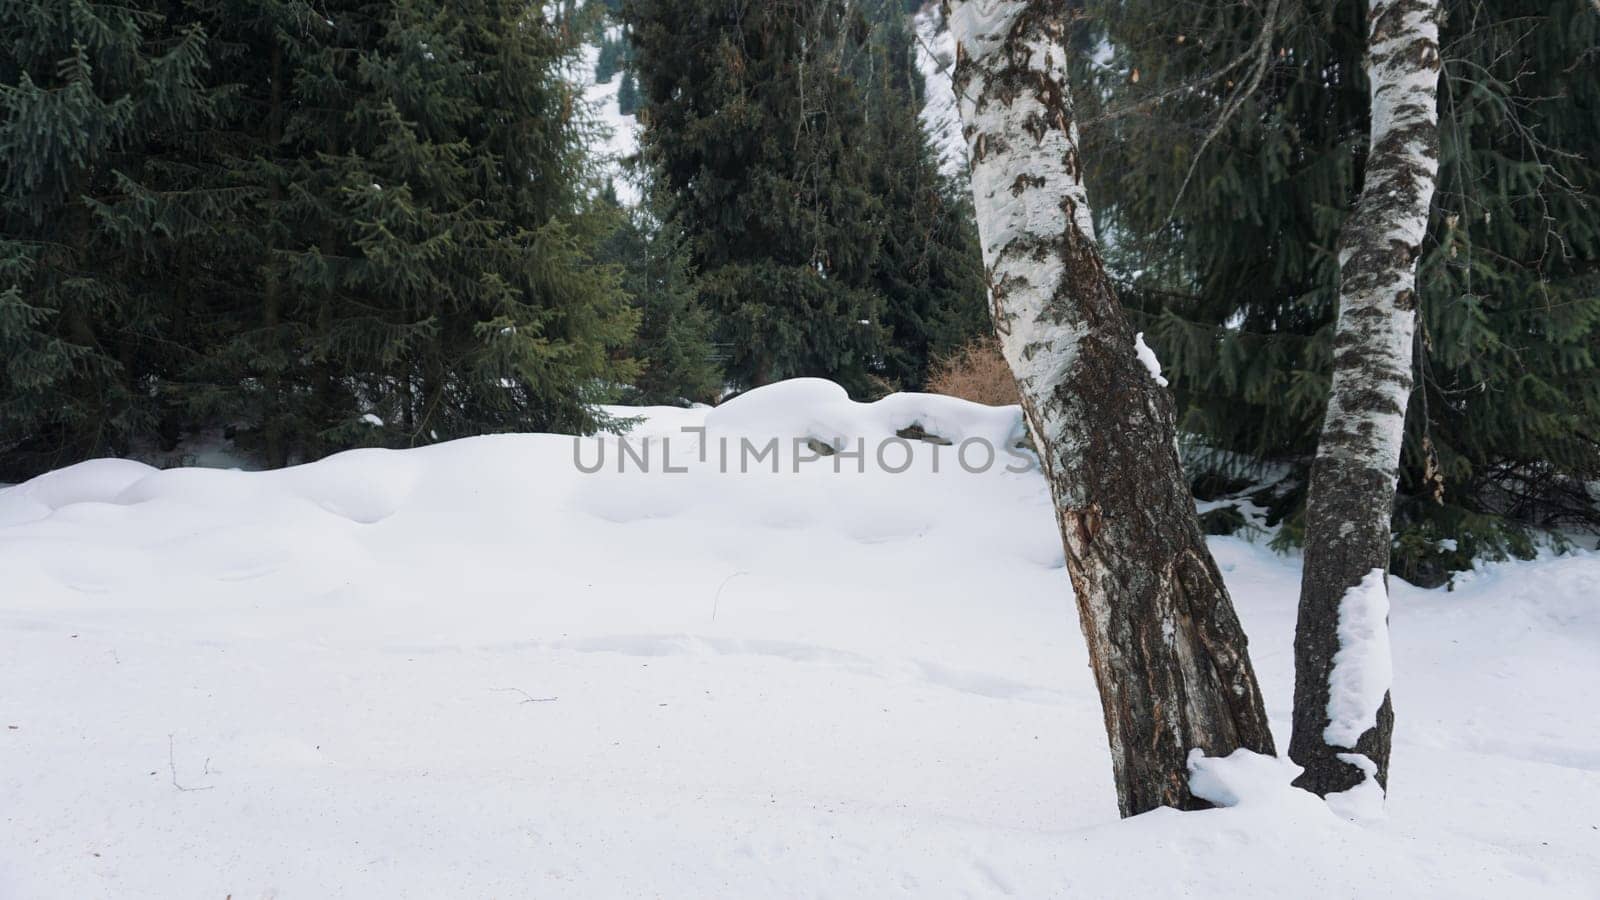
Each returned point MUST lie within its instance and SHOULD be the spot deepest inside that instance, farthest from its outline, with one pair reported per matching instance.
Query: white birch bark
(1353, 479)
(1167, 651)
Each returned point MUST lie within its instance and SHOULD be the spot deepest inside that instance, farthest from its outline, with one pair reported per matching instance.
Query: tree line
(300, 224)
(315, 226)
(783, 140)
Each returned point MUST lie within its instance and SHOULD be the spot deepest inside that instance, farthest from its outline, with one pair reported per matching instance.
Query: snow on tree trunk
(1167, 651)
(1341, 697)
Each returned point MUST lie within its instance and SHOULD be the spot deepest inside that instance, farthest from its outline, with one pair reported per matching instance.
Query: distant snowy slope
(619, 134)
(473, 670)
(936, 57)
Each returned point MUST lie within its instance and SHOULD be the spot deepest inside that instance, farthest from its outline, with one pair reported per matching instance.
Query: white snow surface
(1363, 667)
(470, 670)
(1364, 802)
(1241, 778)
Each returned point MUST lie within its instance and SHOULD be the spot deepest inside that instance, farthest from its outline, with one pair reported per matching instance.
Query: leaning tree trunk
(1342, 716)
(1167, 650)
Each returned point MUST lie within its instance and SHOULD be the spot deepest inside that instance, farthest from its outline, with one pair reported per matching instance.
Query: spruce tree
(425, 237)
(466, 214)
(1510, 283)
(928, 269)
(755, 134)
(673, 346)
(84, 89)
(628, 94)
(609, 60)
(296, 220)
(788, 148)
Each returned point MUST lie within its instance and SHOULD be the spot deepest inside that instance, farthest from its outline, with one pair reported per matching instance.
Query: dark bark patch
(1026, 182)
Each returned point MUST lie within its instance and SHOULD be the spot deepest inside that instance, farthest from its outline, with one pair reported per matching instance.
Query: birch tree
(1167, 651)
(1342, 713)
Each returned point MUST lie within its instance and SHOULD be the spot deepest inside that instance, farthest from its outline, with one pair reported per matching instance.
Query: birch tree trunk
(1167, 651)
(1342, 714)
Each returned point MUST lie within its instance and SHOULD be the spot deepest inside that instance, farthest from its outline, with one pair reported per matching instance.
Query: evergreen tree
(609, 60)
(673, 345)
(755, 135)
(466, 215)
(84, 87)
(628, 94)
(297, 220)
(1510, 283)
(928, 270)
(426, 250)
(788, 148)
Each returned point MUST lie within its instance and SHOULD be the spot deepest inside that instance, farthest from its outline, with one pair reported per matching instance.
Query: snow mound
(821, 410)
(482, 668)
(87, 482)
(1364, 802)
(1244, 778)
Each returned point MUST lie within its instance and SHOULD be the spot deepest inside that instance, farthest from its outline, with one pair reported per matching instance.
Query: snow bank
(821, 410)
(1243, 777)
(474, 670)
(87, 482)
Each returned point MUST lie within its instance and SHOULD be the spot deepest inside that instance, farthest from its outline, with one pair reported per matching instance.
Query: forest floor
(472, 670)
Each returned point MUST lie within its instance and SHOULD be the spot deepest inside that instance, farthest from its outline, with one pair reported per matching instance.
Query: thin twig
(172, 766)
(1263, 49)
(529, 698)
(717, 600)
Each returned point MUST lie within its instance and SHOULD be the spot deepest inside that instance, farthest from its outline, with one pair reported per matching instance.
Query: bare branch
(1263, 54)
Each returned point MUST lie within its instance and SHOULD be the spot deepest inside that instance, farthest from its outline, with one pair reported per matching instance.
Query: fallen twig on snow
(529, 697)
(172, 766)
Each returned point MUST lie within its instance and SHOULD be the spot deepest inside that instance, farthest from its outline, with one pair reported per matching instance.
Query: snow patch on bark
(1148, 357)
(1363, 669)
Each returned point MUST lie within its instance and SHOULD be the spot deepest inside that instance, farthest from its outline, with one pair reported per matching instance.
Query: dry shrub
(976, 372)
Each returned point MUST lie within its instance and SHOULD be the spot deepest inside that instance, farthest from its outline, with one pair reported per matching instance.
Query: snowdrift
(848, 666)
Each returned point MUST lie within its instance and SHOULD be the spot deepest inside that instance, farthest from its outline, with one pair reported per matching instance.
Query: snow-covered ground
(472, 670)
